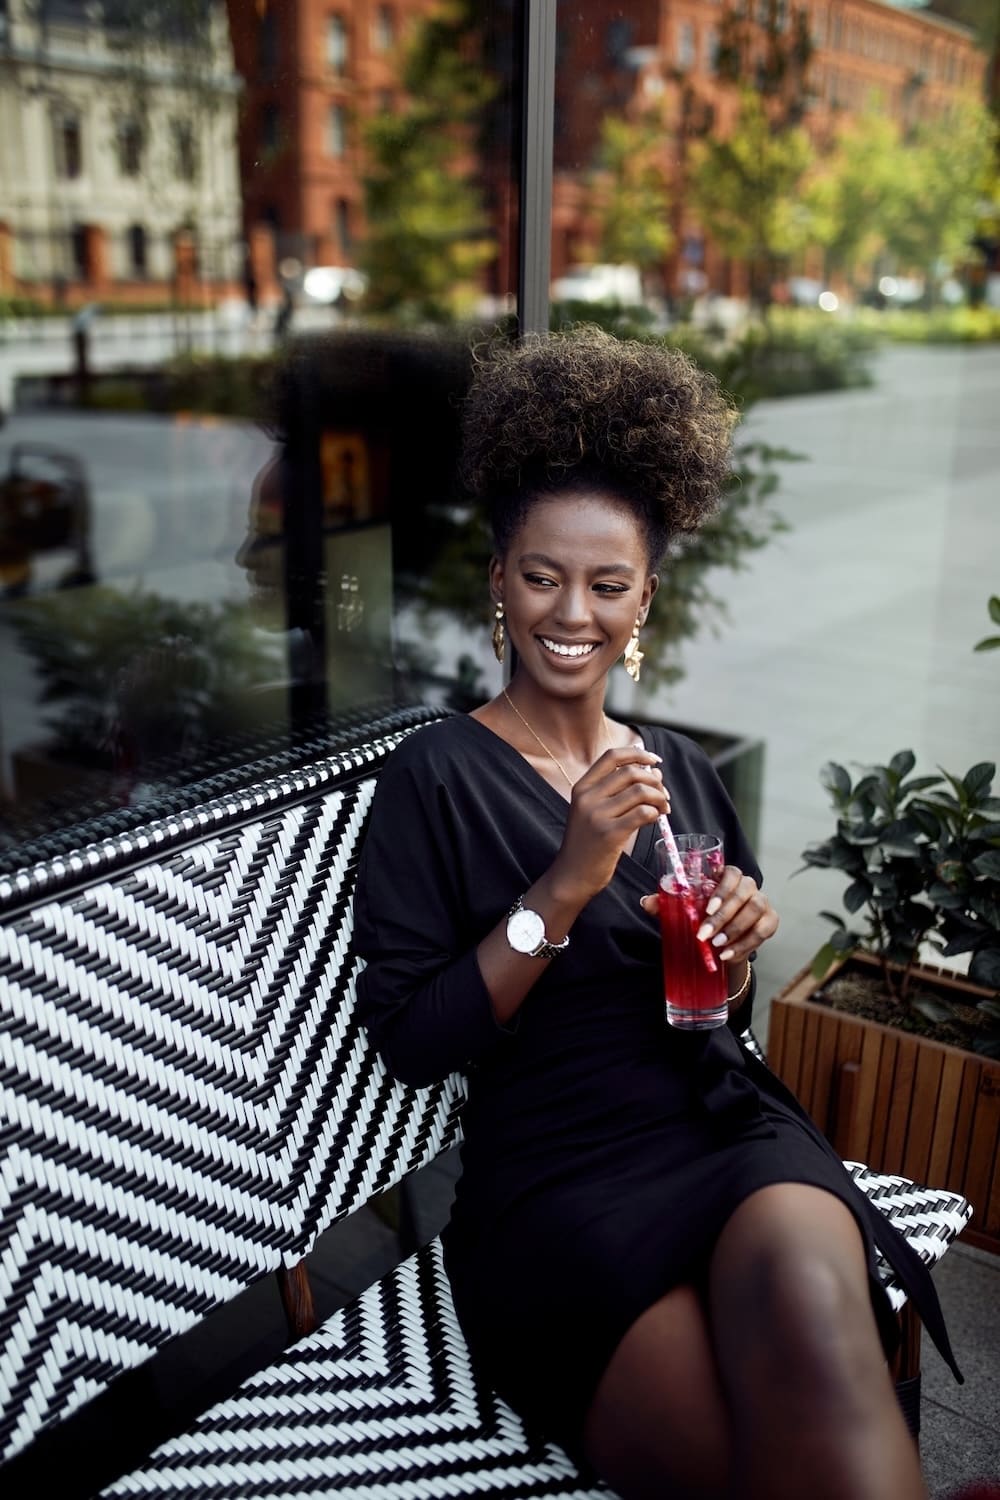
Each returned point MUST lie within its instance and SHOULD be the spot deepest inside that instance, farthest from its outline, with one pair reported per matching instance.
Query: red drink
(694, 981)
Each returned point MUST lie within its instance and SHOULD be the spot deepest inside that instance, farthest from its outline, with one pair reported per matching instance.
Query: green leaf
(988, 863)
(902, 763)
(920, 784)
(994, 609)
(988, 643)
(979, 779)
(931, 1009)
(843, 942)
(990, 1008)
(857, 895)
(944, 896)
(831, 916)
(928, 822)
(835, 780)
(826, 956)
(964, 942)
(987, 830)
(985, 968)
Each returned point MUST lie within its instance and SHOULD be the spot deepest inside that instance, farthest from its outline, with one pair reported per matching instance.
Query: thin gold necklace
(541, 742)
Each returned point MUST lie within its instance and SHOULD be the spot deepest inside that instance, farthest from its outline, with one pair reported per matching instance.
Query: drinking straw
(687, 895)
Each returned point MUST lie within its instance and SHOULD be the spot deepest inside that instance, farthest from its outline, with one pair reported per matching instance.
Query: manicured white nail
(718, 941)
(713, 906)
(727, 955)
(704, 932)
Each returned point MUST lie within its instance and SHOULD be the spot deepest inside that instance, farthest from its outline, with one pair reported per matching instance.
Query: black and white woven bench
(187, 1102)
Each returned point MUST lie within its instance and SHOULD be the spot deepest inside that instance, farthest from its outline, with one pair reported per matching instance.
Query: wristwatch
(526, 933)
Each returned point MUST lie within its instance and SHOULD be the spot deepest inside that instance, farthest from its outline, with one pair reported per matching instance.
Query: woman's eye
(539, 579)
(611, 588)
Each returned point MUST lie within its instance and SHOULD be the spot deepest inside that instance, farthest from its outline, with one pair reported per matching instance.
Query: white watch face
(525, 930)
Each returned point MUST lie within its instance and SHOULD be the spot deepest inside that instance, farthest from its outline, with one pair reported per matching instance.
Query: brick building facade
(314, 69)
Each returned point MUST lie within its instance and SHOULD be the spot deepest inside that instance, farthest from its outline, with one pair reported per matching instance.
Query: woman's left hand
(738, 918)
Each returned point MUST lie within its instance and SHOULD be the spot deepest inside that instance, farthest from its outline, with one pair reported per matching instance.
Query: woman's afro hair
(586, 411)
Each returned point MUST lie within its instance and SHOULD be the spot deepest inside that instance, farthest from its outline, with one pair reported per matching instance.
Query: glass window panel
(336, 130)
(337, 44)
(230, 365)
(806, 194)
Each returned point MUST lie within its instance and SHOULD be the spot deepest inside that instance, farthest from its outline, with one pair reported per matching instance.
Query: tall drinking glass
(694, 980)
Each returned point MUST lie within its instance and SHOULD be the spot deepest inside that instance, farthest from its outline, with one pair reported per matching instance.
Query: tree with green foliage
(746, 190)
(428, 234)
(762, 50)
(945, 171)
(629, 193)
(851, 198)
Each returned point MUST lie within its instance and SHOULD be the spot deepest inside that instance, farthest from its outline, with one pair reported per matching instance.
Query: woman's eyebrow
(541, 559)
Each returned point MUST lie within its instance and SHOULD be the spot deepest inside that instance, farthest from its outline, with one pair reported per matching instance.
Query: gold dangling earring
(633, 656)
(498, 632)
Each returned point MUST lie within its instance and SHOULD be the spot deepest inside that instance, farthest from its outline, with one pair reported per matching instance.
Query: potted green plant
(897, 1059)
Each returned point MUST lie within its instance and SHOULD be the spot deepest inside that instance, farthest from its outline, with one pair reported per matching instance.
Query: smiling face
(573, 582)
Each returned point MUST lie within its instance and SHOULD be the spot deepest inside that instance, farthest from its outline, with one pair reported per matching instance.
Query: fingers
(650, 904)
(738, 918)
(618, 774)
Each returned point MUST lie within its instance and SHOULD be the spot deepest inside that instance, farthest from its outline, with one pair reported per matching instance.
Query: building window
(270, 127)
(336, 130)
(342, 225)
(620, 35)
(137, 247)
(267, 44)
(129, 149)
(686, 45)
(337, 44)
(79, 243)
(383, 29)
(185, 152)
(69, 147)
(712, 50)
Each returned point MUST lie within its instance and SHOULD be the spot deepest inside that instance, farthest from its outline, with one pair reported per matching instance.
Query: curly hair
(592, 413)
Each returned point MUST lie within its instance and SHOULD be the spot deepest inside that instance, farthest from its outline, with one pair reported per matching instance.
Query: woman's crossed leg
(774, 1386)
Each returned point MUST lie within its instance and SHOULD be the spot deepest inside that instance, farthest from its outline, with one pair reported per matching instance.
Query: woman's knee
(796, 1301)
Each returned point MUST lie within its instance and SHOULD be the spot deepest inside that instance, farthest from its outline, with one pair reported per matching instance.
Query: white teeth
(559, 650)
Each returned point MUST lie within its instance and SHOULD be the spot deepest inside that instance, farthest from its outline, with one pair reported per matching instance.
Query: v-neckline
(644, 839)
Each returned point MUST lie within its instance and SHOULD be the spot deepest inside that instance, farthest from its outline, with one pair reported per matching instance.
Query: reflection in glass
(179, 592)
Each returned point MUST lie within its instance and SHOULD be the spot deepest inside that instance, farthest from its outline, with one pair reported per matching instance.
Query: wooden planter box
(898, 1102)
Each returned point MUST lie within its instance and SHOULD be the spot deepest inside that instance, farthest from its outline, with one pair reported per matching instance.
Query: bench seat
(188, 1102)
(381, 1403)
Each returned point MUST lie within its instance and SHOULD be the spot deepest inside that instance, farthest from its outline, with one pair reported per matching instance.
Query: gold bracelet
(743, 987)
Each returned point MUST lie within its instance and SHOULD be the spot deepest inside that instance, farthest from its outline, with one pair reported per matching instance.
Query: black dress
(604, 1151)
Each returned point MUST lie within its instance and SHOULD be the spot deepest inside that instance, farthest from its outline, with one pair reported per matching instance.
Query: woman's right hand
(621, 793)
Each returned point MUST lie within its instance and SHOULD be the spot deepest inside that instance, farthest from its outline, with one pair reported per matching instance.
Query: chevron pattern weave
(186, 1100)
(379, 1404)
(186, 1103)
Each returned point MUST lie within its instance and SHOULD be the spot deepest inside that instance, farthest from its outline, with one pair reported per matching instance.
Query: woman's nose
(574, 607)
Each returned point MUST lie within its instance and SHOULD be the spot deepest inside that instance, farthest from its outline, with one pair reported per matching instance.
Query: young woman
(654, 1254)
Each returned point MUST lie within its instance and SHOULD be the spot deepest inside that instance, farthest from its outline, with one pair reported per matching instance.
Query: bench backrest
(186, 1098)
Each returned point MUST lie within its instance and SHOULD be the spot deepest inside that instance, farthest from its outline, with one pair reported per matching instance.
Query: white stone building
(119, 175)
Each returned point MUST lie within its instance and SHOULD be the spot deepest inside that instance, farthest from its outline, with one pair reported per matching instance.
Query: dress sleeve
(421, 995)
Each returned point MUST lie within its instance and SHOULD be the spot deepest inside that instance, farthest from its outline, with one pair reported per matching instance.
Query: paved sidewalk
(851, 638)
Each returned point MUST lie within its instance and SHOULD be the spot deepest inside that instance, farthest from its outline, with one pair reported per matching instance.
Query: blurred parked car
(44, 508)
(599, 283)
(806, 291)
(332, 286)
